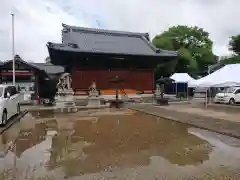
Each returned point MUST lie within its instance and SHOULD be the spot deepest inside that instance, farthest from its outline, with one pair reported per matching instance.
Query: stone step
(66, 110)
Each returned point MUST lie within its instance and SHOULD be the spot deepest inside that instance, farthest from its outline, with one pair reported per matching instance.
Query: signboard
(24, 86)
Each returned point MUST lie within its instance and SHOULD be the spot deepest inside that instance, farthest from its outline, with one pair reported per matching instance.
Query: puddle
(112, 145)
(43, 114)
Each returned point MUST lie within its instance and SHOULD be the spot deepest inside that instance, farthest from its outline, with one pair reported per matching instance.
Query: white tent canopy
(193, 83)
(228, 75)
(181, 77)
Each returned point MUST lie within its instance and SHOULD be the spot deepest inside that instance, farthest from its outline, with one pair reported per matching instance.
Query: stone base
(116, 104)
(67, 95)
(161, 102)
(93, 93)
(94, 102)
(65, 99)
(64, 102)
(66, 110)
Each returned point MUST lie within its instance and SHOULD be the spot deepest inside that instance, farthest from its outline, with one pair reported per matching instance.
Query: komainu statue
(64, 82)
(93, 89)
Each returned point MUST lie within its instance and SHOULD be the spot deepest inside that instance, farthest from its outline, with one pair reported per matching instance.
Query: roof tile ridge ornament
(73, 45)
(156, 50)
(176, 53)
(100, 31)
(50, 44)
(66, 28)
(53, 45)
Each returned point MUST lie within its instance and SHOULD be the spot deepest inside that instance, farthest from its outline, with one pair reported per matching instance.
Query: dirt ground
(114, 145)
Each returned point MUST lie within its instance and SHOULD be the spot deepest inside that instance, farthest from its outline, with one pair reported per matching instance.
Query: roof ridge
(99, 30)
(156, 50)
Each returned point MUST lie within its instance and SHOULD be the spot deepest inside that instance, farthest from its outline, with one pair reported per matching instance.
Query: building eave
(64, 47)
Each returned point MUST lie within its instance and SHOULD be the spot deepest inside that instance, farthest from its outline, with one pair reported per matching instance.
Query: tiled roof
(49, 68)
(81, 39)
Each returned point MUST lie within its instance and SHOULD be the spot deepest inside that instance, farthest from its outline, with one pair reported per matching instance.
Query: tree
(232, 60)
(193, 44)
(234, 44)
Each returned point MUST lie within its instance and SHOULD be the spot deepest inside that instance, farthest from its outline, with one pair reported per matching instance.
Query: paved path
(41, 107)
(12, 121)
(228, 124)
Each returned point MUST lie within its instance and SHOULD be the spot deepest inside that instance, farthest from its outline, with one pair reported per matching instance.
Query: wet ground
(115, 145)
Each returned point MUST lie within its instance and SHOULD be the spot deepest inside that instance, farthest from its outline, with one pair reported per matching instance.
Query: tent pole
(206, 98)
(176, 88)
(210, 95)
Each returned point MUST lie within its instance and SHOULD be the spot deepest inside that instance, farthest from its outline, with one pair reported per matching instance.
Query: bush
(181, 95)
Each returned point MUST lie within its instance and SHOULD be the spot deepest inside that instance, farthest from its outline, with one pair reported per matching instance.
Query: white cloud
(39, 21)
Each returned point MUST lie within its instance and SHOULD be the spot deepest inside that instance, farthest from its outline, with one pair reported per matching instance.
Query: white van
(230, 96)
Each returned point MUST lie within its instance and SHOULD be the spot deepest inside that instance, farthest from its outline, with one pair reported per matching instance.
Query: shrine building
(31, 78)
(99, 55)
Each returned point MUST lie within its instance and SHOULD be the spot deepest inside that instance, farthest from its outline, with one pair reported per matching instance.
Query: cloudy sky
(39, 21)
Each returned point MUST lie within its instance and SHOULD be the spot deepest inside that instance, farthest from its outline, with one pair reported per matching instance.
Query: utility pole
(13, 50)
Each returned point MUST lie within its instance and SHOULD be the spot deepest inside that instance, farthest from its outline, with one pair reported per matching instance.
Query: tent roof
(181, 77)
(226, 76)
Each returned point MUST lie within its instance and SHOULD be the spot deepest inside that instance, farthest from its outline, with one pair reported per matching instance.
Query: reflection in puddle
(130, 145)
(43, 114)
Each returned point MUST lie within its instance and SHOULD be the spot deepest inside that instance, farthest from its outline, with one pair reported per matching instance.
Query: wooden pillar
(35, 80)
(153, 88)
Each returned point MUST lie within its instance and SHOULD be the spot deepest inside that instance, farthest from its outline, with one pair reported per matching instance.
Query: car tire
(232, 101)
(18, 109)
(4, 118)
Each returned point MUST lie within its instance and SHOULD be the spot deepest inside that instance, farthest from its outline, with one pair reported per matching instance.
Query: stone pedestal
(64, 100)
(93, 94)
(94, 99)
(157, 96)
(94, 102)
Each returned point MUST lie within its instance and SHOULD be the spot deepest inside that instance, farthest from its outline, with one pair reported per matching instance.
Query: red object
(132, 79)
(148, 92)
(38, 100)
(79, 92)
(16, 73)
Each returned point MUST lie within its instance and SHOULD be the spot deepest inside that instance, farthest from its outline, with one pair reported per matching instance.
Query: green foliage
(165, 69)
(194, 46)
(234, 44)
(181, 94)
(232, 60)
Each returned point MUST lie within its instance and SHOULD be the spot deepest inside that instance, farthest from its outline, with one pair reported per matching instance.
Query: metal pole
(206, 97)
(210, 94)
(13, 49)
